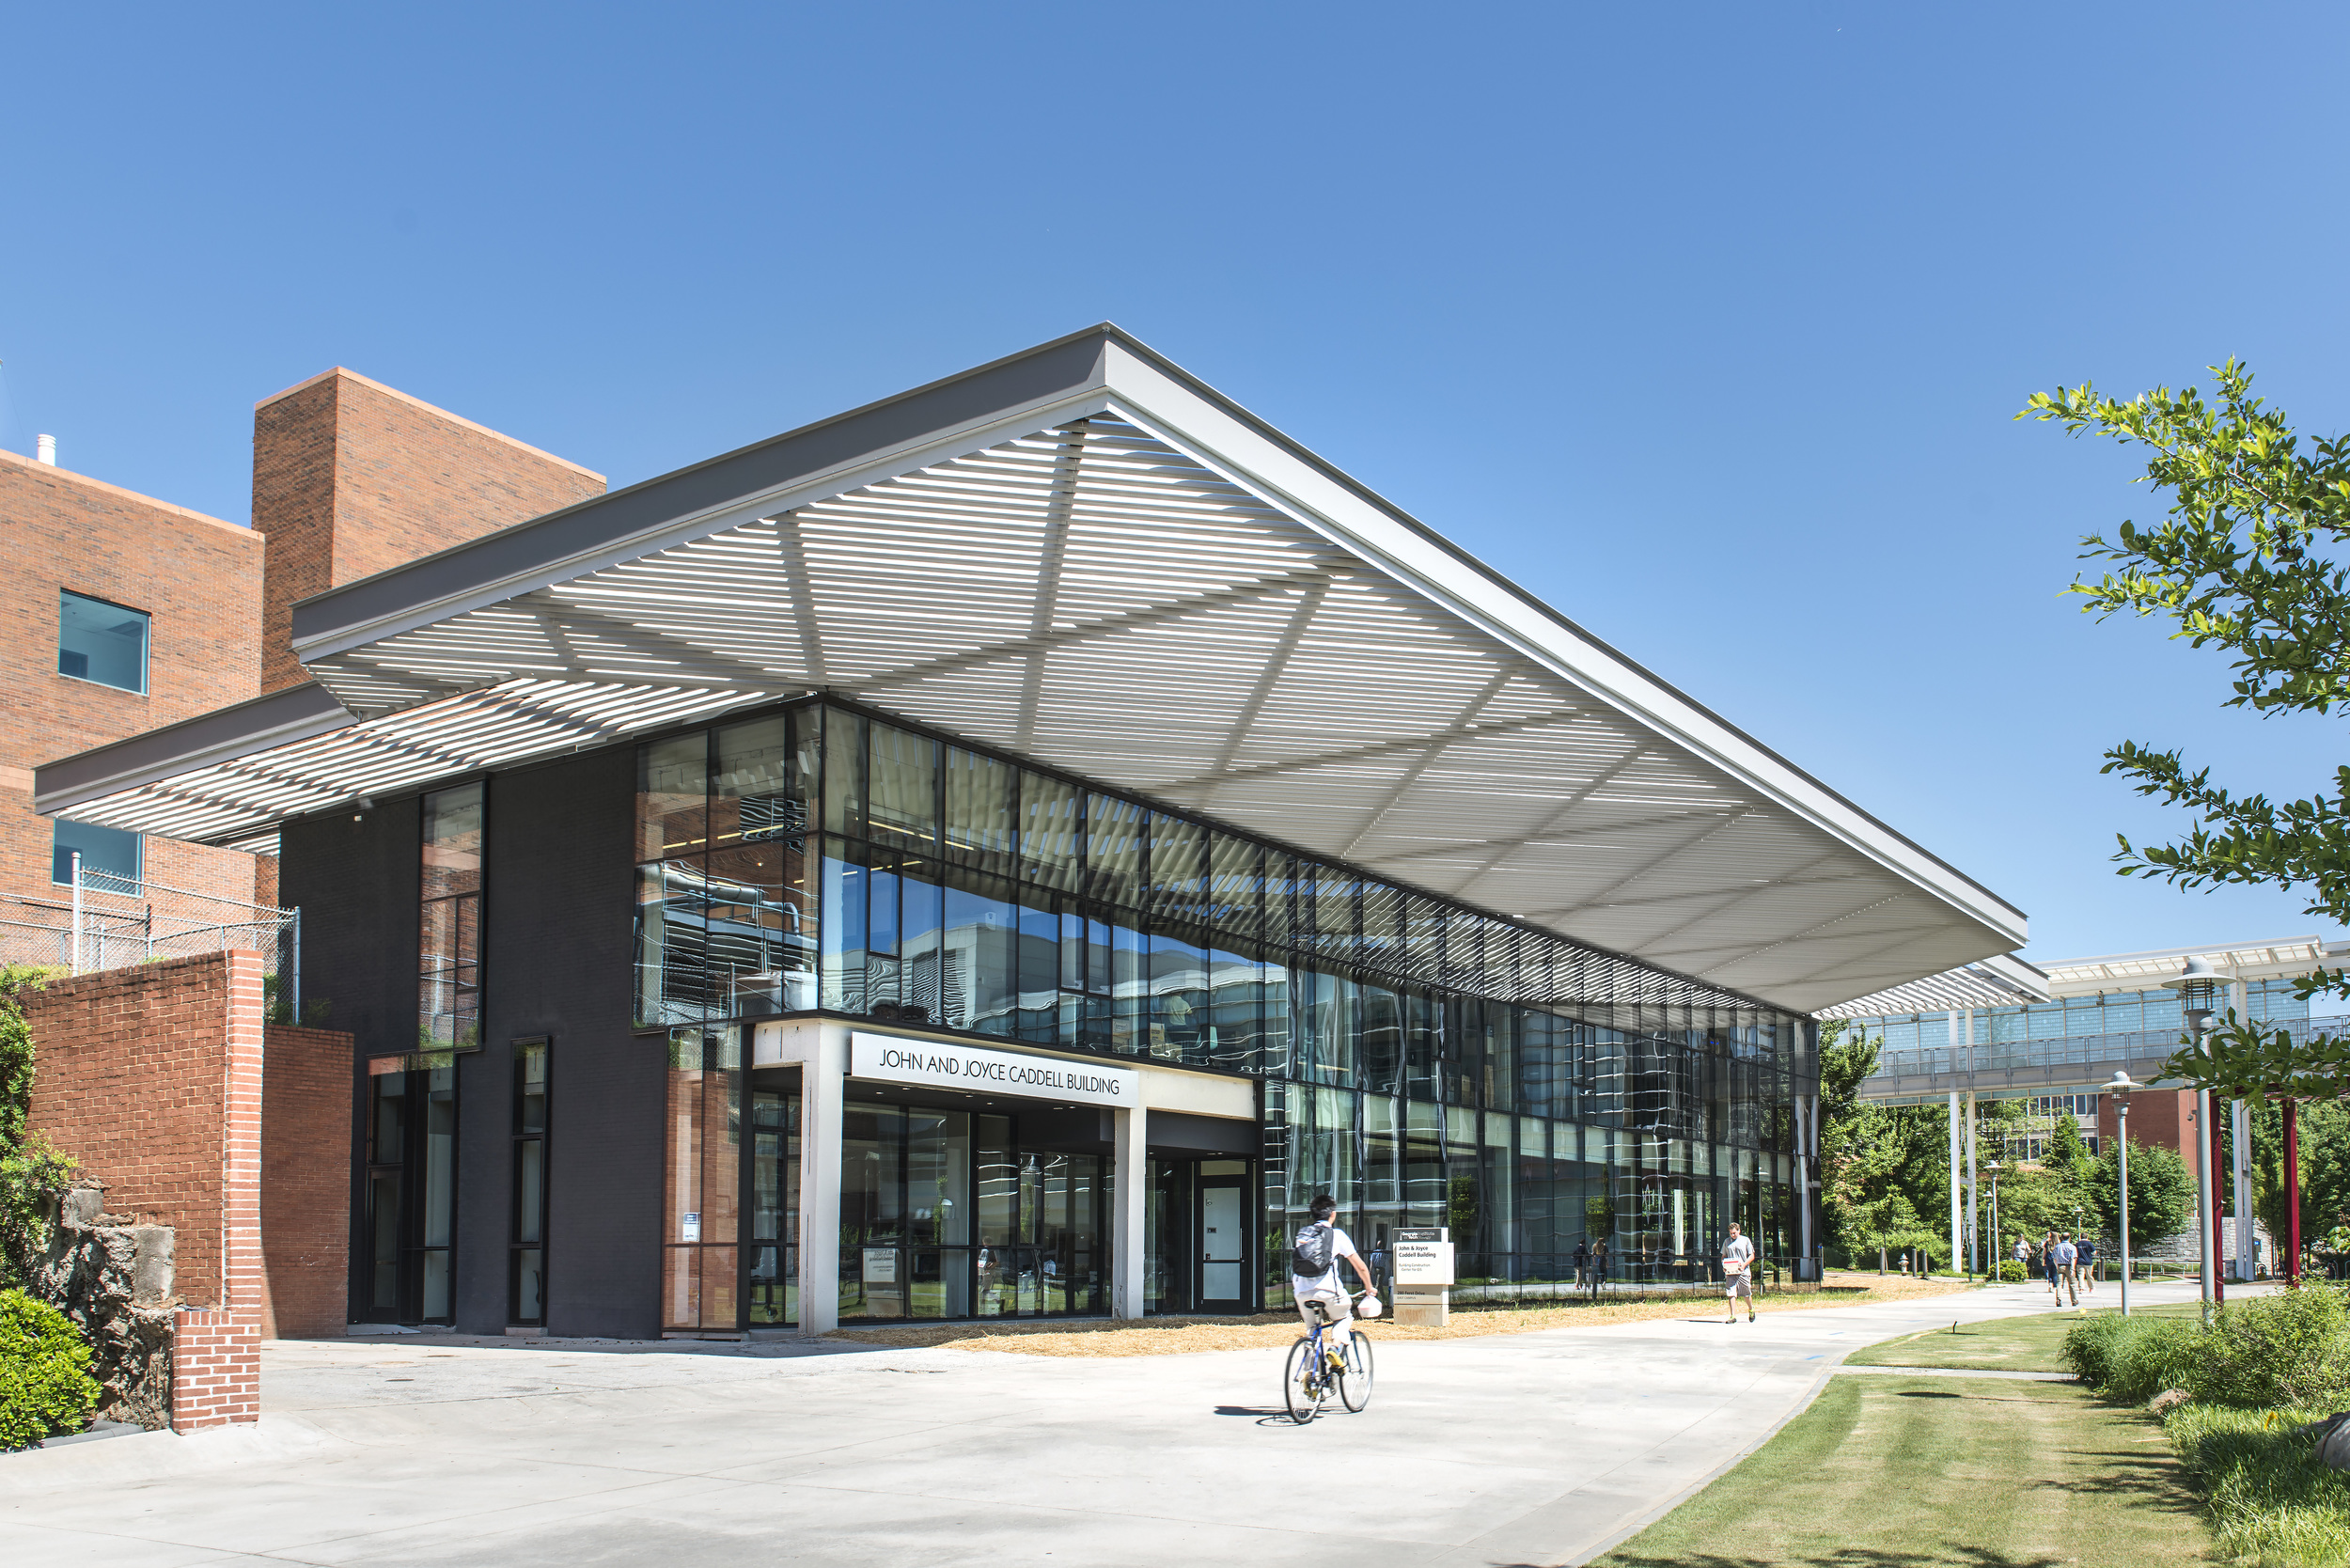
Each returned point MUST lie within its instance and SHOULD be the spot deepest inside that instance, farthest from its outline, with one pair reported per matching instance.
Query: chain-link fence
(109, 922)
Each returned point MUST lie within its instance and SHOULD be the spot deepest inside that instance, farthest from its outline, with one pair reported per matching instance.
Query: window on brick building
(102, 642)
(110, 856)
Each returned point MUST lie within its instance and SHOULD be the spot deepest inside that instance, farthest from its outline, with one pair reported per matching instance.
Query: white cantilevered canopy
(1085, 555)
(2002, 981)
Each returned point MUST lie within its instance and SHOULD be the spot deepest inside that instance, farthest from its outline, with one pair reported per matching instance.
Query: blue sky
(1706, 324)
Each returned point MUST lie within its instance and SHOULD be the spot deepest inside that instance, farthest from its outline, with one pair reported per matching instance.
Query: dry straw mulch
(1181, 1336)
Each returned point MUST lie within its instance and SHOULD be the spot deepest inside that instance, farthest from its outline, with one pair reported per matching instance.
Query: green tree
(2067, 1154)
(16, 1049)
(2324, 1141)
(2245, 562)
(2162, 1193)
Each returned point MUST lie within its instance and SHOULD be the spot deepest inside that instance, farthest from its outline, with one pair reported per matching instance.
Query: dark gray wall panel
(356, 883)
(555, 962)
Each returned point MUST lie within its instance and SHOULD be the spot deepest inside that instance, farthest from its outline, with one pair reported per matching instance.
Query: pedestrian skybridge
(2003, 1068)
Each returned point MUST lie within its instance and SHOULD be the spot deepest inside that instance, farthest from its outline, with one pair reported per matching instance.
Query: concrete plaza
(1542, 1448)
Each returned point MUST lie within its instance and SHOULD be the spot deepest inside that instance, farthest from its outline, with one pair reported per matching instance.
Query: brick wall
(351, 477)
(2156, 1116)
(216, 1369)
(306, 1181)
(149, 1076)
(198, 578)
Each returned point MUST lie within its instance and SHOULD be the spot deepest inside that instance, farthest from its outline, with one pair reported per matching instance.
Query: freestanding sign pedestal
(1423, 1277)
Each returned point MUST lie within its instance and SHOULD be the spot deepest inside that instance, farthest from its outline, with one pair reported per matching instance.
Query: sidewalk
(1540, 1448)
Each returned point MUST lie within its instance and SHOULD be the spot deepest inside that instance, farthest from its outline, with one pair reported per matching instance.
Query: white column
(1974, 1209)
(823, 1052)
(1957, 1198)
(1806, 1138)
(2240, 1156)
(1130, 1183)
(2241, 1161)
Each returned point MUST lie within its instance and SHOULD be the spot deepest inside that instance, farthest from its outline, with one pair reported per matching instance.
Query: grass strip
(2270, 1501)
(2001, 1344)
(1894, 1472)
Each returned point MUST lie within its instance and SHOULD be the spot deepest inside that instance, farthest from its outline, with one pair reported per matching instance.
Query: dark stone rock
(114, 1279)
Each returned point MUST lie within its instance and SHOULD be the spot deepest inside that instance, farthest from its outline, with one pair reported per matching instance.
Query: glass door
(1223, 1232)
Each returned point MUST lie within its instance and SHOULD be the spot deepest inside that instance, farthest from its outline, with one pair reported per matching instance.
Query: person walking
(1598, 1275)
(2067, 1260)
(1582, 1262)
(2048, 1263)
(2086, 1267)
(1738, 1272)
(2023, 1256)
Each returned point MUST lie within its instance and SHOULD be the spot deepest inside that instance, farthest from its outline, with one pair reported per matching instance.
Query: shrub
(2011, 1272)
(2271, 1499)
(2133, 1360)
(31, 1177)
(45, 1385)
(2287, 1350)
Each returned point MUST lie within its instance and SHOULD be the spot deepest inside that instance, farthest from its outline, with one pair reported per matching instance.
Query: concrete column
(2242, 1160)
(2240, 1157)
(823, 1052)
(1957, 1197)
(1130, 1185)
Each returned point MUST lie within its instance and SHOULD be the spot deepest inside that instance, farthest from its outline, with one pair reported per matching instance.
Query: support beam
(1956, 1242)
(821, 1051)
(1130, 1183)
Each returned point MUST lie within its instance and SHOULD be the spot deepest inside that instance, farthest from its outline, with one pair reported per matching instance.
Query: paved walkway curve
(1497, 1452)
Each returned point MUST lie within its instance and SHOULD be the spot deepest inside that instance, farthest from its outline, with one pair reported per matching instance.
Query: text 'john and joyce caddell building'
(1001, 852)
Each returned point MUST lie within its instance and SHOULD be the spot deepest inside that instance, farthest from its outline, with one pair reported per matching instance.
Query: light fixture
(2197, 985)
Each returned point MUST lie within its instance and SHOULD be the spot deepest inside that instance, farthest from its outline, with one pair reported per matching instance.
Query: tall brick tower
(350, 477)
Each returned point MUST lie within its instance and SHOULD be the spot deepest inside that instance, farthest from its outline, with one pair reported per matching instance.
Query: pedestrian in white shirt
(1738, 1273)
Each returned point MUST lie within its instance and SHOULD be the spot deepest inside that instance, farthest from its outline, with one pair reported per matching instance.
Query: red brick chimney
(350, 477)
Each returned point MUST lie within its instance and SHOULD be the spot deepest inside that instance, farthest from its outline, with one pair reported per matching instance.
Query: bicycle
(1316, 1368)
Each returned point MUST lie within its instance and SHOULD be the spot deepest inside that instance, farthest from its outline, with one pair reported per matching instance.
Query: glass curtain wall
(449, 944)
(702, 1175)
(526, 1272)
(1426, 1064)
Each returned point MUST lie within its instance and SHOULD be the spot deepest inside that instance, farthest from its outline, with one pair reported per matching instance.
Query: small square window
(108, 854)
(102, 642)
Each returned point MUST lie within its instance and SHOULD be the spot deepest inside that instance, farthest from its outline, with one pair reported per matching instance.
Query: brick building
(125, 613)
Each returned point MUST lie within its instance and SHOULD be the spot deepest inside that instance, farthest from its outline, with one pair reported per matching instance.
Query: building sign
(976, 1069)
(1421, 1263)
(881, 1266)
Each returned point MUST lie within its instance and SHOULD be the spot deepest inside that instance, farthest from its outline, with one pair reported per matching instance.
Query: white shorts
(1341, 1307)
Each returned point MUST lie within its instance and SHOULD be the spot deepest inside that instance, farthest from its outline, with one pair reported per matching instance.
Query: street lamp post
(2197, 985)
(2120, 1088)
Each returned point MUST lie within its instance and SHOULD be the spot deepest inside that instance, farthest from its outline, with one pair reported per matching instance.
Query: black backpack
(1316, 1249)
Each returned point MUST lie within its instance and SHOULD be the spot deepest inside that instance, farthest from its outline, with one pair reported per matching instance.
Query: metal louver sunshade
(1082, 555)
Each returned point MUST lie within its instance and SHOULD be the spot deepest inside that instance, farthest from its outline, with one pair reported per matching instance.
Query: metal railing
(107, 921)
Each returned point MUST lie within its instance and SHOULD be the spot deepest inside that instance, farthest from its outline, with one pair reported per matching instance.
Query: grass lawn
(2003, 1345)
(1890, 1472)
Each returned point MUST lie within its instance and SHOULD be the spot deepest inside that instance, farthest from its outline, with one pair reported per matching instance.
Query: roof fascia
(223, 735)
(1224, 435)
(1044, 386)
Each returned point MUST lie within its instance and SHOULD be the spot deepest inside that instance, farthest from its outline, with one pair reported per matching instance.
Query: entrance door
(1223, 1232)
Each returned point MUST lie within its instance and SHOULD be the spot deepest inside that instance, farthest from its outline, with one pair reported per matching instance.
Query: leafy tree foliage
(2325, 1143)
(2246, 560)
(2162, 1193)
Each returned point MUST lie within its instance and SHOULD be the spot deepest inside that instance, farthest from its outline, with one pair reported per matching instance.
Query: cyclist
(1737, 1273)
(1323, 1242)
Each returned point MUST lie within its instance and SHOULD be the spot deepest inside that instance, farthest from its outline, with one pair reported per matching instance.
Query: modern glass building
(1003, 852)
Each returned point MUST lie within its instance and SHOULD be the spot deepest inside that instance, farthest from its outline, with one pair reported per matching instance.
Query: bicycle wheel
(1355, 1381)
(1301, 1382)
